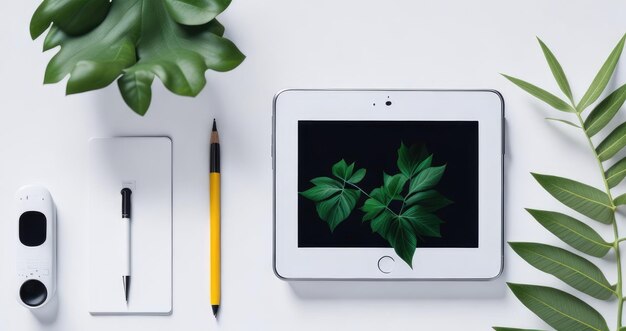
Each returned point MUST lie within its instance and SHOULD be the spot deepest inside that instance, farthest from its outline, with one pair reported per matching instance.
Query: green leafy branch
(561, 310)
(336, 198)
(133, 41)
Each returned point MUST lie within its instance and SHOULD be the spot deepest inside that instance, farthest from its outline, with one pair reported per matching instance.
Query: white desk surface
(315, 44)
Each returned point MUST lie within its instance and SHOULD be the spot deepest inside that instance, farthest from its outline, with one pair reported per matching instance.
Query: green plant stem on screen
(370, 197)
(559, 309)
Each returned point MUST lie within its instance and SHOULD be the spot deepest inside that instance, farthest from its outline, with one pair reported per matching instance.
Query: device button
(33, 293)
(385, 264)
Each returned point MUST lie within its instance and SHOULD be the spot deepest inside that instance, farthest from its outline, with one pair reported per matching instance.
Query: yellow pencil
(214, 190)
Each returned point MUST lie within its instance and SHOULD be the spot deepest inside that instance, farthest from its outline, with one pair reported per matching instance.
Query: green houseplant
(559, 309)
(132, 41)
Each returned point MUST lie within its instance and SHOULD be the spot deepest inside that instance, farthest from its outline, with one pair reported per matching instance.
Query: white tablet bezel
(484, 106)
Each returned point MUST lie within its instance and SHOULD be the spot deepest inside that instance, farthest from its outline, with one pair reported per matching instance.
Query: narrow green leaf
(324, 188)
(426, 179)
(402, 238)
(613, 143)
(409, 159)
(423, 223)
(326, 181)
(620, 200)
(602, 114)
(557, 70)
(583, 198)
(336, 209)
(381, 223)
(616, 173)
(500, 328)
(430, 200)
(563, 121)
(424, 164)
(372, 206)
(561, 310)
(357, 176)
(542, 94)
(340, 168)
(570, 268)
(349, 171)
(393, 185)
(602, 77)
(333, 200)
(572, 231)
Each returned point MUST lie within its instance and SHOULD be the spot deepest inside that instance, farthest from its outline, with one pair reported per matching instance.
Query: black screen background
(373, 145)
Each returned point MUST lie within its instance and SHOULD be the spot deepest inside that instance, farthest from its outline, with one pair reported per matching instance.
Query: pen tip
(126, 283)
(214, 126)
(215, 309)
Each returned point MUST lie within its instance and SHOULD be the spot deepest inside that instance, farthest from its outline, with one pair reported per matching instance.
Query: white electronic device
(35, 239)
(388, 184)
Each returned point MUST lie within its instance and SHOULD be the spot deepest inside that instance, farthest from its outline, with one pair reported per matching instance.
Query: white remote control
(36, 246)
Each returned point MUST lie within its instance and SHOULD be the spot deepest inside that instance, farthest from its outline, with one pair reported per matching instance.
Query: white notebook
(145, 165)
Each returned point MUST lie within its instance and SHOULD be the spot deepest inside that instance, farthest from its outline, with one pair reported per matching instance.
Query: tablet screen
(377, 183)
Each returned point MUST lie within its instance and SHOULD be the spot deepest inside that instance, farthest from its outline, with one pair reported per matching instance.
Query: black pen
(125, 249)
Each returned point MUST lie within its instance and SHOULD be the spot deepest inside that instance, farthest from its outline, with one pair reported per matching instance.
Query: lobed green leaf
(136, 89)
(583, 198)
(195, 12)
(135, 39)
(74, 17)
(561, 310)
(102, 70)
(570, 268)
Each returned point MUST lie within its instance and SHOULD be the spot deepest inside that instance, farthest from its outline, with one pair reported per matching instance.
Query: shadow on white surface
(407, 290)
(48, 314)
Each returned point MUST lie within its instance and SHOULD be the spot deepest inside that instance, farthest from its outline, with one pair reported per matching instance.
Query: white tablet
(388, 184)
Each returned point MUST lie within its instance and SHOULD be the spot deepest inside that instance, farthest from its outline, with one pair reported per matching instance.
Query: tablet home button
(385, 264)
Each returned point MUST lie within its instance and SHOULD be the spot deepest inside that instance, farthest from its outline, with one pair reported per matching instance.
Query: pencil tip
(214, 125)
(215, 309)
